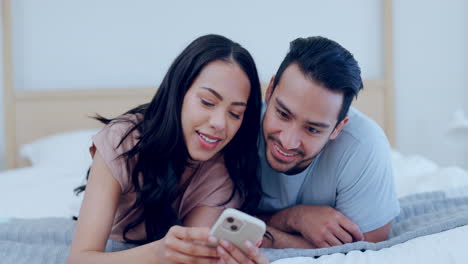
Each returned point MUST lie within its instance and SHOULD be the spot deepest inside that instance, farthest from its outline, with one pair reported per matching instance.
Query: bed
(47, 159)
(44, 189)
(25, 192)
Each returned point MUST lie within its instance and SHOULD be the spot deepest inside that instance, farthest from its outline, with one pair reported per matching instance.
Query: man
(325, 167)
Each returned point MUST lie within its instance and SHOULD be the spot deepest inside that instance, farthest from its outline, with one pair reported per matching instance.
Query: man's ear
(339, 128)
(269, 90)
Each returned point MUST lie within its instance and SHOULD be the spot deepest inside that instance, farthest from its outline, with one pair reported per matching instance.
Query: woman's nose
(218, 121)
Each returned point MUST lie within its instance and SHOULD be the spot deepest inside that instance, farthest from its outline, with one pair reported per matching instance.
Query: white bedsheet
(416, 174)
(36, 192)
(445, 247)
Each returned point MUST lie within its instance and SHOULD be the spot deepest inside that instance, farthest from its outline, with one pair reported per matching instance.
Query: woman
(181, 159)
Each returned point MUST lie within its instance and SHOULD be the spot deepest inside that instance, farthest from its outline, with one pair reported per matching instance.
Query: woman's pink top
(210, 185)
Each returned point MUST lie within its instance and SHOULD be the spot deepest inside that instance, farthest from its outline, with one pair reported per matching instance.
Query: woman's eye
(204, 102)
(236, 116)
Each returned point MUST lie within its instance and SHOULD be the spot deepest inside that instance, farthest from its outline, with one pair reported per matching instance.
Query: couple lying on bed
(317, 172)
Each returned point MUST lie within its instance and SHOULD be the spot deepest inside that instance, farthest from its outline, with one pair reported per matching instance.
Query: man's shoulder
(360, 138)
(362, 128)
(360, 131)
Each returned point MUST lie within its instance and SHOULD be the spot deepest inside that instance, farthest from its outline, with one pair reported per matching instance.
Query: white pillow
(68, 150)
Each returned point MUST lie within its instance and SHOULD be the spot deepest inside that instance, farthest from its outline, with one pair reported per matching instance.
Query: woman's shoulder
(118, 128)
(112, 140)
(121, 125)
(111, 147)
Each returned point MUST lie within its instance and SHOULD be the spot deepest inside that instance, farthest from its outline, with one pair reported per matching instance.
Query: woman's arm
(95, 222)
(202, 216)
(96, 218)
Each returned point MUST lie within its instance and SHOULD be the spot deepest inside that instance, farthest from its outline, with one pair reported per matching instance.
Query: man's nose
(289, 138)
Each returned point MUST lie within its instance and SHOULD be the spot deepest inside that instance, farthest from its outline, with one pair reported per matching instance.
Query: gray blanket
(421, 215)
(48, 240)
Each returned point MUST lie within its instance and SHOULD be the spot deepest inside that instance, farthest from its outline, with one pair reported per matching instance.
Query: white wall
(107, 43)
(88, 43)
(2, 130)
(430, 70)
(117, 43)
(466, 57)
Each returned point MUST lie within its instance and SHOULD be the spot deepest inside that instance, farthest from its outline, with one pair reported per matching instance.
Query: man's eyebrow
(282, 105)
(316, 124)
(215, 93)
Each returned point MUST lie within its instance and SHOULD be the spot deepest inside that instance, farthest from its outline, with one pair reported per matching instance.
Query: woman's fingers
(252, 251)
(188, 245)
(177, 257)
(232, 254)
(191, 233)
(191, 241)
(191, 248)
(226, 257)
(255, 254)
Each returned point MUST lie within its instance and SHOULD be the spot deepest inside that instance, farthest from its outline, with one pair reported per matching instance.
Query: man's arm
(282, 239)
(365, 190)
(321, 226)
(379, 234)
(286, 240)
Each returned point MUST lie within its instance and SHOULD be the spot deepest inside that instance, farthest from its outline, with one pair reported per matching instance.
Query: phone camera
(230, 220)
(234, 228)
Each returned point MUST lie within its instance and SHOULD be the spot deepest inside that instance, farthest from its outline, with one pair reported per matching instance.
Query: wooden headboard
(30, 115)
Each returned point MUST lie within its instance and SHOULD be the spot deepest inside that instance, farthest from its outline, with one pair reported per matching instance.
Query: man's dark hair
(327, 63)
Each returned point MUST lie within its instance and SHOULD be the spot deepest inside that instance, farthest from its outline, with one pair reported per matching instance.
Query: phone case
(238, 227)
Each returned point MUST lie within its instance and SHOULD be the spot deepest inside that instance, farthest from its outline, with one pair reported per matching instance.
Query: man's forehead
(307, 100)
(294, 74)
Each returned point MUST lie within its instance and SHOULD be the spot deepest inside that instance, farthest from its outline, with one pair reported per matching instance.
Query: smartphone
(238, 227)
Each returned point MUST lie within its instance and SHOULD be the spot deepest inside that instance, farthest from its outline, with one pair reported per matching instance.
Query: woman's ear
(269, 90)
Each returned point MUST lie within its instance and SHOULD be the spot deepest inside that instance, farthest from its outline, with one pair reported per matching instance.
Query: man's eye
(204, 102)
(312, 130)
(281, 113)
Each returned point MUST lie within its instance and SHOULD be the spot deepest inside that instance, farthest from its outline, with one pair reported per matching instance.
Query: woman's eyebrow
(239, 104)
(221, 98)
(213, 92)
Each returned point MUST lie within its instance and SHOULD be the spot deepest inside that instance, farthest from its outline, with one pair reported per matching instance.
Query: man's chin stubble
(298, 167)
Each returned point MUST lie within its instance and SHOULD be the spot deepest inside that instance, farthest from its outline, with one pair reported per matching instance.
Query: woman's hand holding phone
(231, 254)
(237, 232)
(187, 245)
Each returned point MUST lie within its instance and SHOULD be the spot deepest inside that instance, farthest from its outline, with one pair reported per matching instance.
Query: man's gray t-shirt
(352, 174)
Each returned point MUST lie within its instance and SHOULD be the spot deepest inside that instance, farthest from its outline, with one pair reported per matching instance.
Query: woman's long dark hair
(161, 154)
